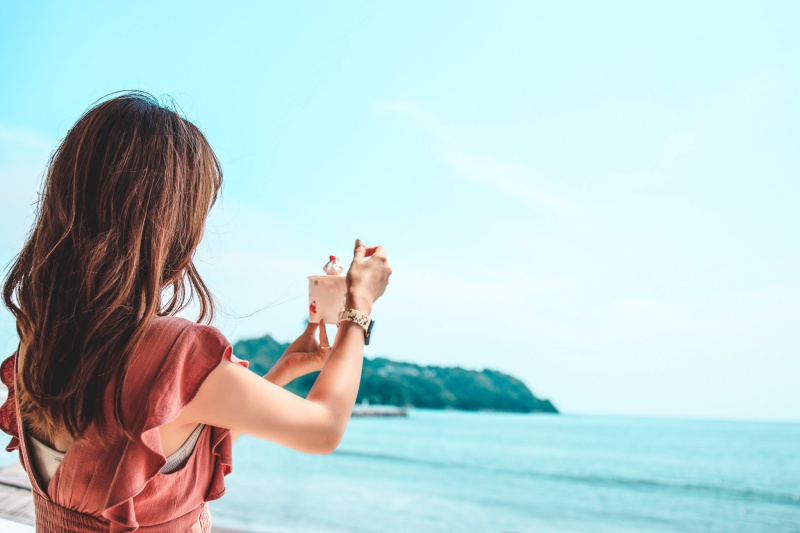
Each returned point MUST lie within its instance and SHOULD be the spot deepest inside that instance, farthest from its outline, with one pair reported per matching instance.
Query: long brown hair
(124, 205)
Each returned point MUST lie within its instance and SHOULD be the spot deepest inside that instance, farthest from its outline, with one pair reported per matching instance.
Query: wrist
(358, 302)
(362, 320)
(280, 373)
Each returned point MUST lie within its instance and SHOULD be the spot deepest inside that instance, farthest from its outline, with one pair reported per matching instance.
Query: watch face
(369, 331)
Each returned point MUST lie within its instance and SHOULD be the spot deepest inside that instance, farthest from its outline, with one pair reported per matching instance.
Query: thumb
(360, 251)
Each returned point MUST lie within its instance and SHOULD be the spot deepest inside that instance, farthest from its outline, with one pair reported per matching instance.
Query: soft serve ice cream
(333, 267)
(326, 294)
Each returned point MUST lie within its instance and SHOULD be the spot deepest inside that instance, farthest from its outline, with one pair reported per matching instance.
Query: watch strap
(354, 315)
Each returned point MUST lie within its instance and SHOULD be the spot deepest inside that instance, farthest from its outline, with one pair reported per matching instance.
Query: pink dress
(119, 487)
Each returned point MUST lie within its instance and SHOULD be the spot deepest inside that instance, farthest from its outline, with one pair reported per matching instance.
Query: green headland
(388, 382)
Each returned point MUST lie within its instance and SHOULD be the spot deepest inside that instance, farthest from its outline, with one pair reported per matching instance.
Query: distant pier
(365, 409)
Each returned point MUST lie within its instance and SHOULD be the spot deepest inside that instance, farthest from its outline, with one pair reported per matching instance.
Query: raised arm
(236, 398)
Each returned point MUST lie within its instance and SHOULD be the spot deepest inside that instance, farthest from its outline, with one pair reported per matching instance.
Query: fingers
(323, 335)
(360, 250)
(376, 251)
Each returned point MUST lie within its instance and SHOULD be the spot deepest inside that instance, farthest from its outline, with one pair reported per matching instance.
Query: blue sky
(599, 198)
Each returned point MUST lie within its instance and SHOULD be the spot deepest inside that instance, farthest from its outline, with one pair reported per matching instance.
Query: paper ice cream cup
(326, 298)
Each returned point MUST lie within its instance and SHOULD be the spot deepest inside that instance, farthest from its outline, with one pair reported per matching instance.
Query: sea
(452, 471)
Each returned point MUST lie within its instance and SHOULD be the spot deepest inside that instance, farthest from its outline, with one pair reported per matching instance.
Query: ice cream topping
(333, 267)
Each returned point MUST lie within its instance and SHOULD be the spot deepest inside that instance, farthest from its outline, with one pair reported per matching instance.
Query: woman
(124, 414)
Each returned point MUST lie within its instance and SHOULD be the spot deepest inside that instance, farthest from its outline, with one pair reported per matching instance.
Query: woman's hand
(235, 398)
(303, 356)
(367, 277)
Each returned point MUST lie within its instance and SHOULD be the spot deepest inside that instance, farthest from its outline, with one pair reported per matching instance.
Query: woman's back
(119, 486)
(108, 375)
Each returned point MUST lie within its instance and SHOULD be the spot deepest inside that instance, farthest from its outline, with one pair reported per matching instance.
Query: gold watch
(354, 315)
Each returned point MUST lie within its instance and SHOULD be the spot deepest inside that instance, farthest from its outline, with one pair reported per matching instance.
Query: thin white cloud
(514, 180)
(24, 138)
(511, 178)
(420, 117)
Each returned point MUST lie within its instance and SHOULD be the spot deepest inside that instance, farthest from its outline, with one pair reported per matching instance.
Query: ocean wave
(710, 489)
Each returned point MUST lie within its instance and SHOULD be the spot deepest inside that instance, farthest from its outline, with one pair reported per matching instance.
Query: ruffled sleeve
(159, 383)
(8, 411)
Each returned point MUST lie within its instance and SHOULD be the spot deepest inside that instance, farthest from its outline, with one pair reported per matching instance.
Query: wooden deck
(16, 501)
